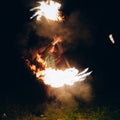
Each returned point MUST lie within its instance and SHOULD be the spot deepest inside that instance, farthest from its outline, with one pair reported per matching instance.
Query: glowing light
(48, 9)
(59, 78)
(111, 38)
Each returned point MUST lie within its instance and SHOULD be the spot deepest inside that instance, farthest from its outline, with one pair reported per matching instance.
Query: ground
(53, 112)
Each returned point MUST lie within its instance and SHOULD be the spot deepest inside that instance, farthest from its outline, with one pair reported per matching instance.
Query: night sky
(99, 54)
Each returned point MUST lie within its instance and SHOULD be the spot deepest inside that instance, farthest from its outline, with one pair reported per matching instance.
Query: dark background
(103, 58)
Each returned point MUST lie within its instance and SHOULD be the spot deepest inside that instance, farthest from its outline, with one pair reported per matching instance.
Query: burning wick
(111, 38)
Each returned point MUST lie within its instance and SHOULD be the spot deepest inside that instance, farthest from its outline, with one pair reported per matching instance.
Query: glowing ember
(48, 9)
(111, 38)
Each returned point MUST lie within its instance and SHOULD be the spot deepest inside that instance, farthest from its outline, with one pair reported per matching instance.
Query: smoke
(72, 30)
(72, 95)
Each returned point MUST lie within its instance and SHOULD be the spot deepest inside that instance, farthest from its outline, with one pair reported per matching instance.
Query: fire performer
(53, 54)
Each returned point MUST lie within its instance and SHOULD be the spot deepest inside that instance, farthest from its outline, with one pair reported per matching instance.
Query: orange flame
(40, 60)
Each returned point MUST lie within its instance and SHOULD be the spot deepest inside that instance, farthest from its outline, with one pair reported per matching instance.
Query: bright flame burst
(49, 9)
(59, 78)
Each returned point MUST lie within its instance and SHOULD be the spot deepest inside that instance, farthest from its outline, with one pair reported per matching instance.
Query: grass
(55, 112)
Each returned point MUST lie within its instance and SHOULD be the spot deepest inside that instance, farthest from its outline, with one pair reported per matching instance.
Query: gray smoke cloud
(70, 95)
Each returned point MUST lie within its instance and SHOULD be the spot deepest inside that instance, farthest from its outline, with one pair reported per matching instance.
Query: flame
(59, 78)
(56, 40)
(49, 9)
(40, 60)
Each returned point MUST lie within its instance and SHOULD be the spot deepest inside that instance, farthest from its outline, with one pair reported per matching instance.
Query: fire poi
(50, 66)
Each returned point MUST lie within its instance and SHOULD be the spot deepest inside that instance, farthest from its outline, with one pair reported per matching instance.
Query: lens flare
(49, 10)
